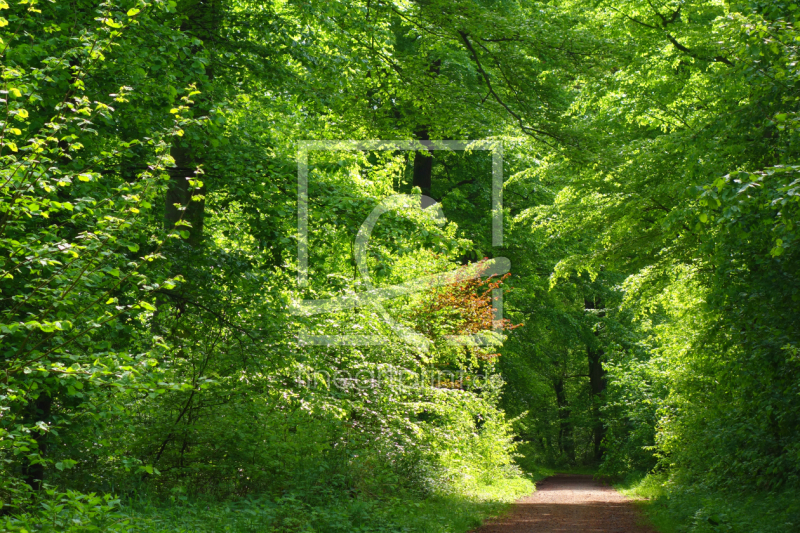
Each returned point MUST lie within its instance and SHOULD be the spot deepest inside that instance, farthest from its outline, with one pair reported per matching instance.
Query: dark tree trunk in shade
(179, 202)
(423, 168)
(202, 19)
(597, 380)
(566, 439)
(33, 474)
(423, 159)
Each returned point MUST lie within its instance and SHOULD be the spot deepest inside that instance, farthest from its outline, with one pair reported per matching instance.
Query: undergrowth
(681, 507)
(538, 467)
(455, 512)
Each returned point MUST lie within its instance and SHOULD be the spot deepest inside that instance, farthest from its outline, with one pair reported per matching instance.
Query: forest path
(569, 504)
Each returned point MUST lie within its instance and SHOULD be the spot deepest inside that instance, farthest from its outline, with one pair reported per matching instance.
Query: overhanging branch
(527, 129)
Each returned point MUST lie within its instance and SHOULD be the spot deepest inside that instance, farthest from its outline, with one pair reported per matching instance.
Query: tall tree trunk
(39, 412)
(566, 439)
(423, 159)
(423, 168)
(597, 379)
(179, 202)
(202, 20)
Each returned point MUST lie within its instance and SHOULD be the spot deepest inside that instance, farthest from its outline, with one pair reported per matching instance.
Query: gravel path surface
(569, 504)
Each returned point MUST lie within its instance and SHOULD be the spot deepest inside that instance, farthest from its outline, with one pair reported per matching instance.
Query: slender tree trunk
(423, 159)
(597, 381)
(179, 202)
(202, 20)
(423, 168)
(40, 411)
(566, 439)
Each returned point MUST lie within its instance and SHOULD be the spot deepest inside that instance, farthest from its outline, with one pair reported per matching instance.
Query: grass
(673, 507)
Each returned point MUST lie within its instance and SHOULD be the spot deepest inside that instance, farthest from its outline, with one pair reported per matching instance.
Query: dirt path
(569, 504)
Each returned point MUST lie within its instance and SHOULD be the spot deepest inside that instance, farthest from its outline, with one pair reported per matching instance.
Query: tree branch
(527, 129)
(217, 315)
(667, 21)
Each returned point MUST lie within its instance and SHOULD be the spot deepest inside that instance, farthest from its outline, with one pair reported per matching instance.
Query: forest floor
(568, 503)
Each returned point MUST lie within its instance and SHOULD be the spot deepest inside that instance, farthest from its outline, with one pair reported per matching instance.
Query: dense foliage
(160, 363)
